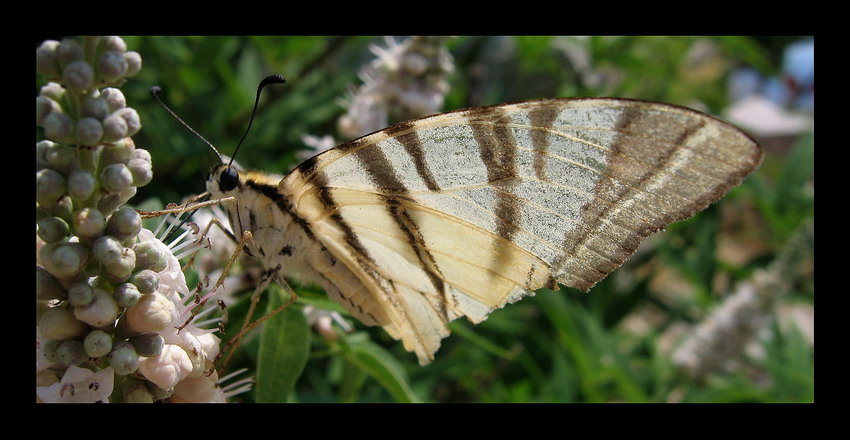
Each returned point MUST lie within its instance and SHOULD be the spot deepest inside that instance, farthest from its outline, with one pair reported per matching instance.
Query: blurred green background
(614, 344)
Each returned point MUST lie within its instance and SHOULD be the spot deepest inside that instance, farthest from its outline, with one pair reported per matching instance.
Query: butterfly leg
(203, 235)
(268, 276)
(266, 279)
(191, 205)
(220, 282)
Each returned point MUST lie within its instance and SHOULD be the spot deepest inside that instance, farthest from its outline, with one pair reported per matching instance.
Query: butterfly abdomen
(286, 241)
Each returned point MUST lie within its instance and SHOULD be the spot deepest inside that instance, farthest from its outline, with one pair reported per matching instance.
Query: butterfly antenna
(273, 79)
(155, 91)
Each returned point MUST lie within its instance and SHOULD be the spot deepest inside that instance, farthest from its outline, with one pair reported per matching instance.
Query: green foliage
(783, 193)
(612, 344)
(285, 341)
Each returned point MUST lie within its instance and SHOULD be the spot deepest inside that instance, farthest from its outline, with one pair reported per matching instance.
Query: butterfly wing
(460, 213)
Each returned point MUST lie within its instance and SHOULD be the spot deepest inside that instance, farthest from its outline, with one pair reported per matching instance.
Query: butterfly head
(223, 180)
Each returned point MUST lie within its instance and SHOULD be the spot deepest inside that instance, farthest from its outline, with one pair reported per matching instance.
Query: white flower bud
(107, 250)
(46, 285)
(95, 106)
(112, 66)
(97, 343)
(45, 59)
(142, 171)
(112, 42)
(89, 223)
(123, 358)
(89, 131)
(148, 344)
(68, 52)
(141, 154)
(109, 202)
(81, 184)
(131, 117)
(121, 271)
(114, 128)
(168, 369)
(52, 229)
(127, 295)
(116, 177)
(53, 91)
(45, 253)
(62, 158)
(114, 98)
(50, 186)
(49, 348)
(71, 352)
(41, 148)
(147, 281)
(80, 294)
(59, 323)
(101, 312)
(59, 127)
(119, 152)
(62, 208)
(44, 106)
(78, 76)
(134, 63)
(67, 260)
(152, 313)
(127, 194)
(150, 256)
(124, 224)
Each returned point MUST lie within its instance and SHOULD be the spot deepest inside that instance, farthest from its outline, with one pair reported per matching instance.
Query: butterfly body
(458, 214)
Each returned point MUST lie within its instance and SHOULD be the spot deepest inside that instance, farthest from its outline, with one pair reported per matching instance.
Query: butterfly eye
(228, 179)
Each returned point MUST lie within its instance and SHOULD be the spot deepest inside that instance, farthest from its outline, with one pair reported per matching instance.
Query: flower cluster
(407, 80)
(110, 295)
(719, 341)
(722, 339)
(89, 165)
(158, 349)
(81, 105)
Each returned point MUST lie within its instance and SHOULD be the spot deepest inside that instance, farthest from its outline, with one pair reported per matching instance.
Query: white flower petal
(210, 344)
(79, 385)
(200, 389)
(153, 313)
(167, 369)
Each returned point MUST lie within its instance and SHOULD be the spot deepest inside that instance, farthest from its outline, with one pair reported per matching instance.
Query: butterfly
(458, 214)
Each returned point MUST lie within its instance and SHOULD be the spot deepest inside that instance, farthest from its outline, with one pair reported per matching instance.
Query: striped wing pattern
(461, 213)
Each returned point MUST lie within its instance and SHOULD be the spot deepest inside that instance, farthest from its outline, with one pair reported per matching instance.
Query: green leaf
(790, 361)
(382, 367)
(470, 335)
(284, 348)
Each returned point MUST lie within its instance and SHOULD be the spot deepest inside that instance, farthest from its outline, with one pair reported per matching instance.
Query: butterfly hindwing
(460, 213)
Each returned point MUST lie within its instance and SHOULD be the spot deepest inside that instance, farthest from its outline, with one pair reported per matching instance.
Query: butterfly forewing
(460, 213)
